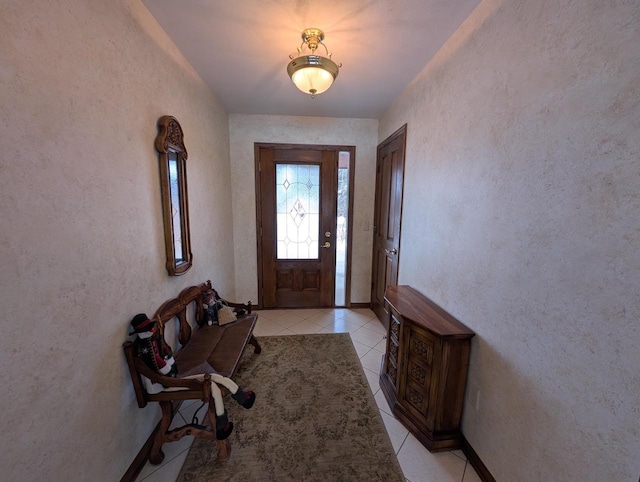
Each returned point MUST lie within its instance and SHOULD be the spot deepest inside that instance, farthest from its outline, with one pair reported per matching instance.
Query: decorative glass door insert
(298, 211)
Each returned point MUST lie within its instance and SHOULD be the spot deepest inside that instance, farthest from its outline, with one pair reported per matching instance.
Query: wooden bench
(220, 347)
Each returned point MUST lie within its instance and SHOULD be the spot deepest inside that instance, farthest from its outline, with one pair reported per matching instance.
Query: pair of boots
(223, 426)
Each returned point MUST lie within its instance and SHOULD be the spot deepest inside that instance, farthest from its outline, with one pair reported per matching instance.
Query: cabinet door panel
(416, 392)
(421, 346)
(417, 399)
(418, 373)
(395, 326)
(393, 351)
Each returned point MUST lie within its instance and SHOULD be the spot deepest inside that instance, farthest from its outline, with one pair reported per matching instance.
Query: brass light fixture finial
(312, 73)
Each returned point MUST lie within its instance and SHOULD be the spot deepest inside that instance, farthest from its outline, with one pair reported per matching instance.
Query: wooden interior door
(387, 218)
(296, 225)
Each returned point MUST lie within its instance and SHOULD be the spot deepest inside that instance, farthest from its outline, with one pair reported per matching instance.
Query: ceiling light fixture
(312, 73)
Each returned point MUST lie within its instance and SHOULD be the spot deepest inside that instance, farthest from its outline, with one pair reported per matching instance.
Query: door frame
(400, 134)
(258, 196)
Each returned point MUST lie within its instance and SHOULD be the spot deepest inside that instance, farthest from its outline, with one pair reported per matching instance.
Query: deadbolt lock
(327, 234)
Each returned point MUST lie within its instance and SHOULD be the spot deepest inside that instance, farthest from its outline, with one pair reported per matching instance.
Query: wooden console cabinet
(425, 367)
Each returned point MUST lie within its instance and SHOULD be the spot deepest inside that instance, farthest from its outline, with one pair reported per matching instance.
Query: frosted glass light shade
(312, 80)
(312, 74)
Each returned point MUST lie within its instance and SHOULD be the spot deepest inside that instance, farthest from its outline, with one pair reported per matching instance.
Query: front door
(387, 217)
(296, 204)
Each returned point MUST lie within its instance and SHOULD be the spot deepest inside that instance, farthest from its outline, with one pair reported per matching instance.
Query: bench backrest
(176, 308)
(173, 309)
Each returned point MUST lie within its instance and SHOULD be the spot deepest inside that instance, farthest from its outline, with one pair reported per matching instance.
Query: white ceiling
(241, 48)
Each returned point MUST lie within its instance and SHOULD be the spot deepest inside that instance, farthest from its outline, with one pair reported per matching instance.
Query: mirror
(175, 207)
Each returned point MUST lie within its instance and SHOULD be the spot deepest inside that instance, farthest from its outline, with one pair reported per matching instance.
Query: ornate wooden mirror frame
(175, 206)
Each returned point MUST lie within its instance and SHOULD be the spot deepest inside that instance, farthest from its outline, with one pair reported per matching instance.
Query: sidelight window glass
(341, 227)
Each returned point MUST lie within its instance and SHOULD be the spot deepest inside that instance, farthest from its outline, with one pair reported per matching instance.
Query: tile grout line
(402, 444)
(464, 472)
(365, 354)
(382, 410)
(465, 459)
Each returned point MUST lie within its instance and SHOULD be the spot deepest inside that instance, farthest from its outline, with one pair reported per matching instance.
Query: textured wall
(521, 217)
(81, 238)
(245, 130)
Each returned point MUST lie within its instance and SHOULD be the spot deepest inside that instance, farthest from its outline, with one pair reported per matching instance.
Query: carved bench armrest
(170, 382)
(236, 306)
(239, 306)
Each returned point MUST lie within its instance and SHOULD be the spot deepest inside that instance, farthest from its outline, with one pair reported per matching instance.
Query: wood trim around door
(259, 201)
(385, 258)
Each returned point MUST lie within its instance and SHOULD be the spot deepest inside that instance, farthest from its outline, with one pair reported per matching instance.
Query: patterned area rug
(314, 419)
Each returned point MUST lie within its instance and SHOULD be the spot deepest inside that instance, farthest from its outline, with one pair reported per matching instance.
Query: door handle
(393, 251)
(327, 244)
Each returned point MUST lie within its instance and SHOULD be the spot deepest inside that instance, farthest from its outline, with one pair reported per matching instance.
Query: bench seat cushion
(215, 349)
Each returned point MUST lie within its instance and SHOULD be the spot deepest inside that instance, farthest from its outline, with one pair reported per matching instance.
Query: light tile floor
(367, 334)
